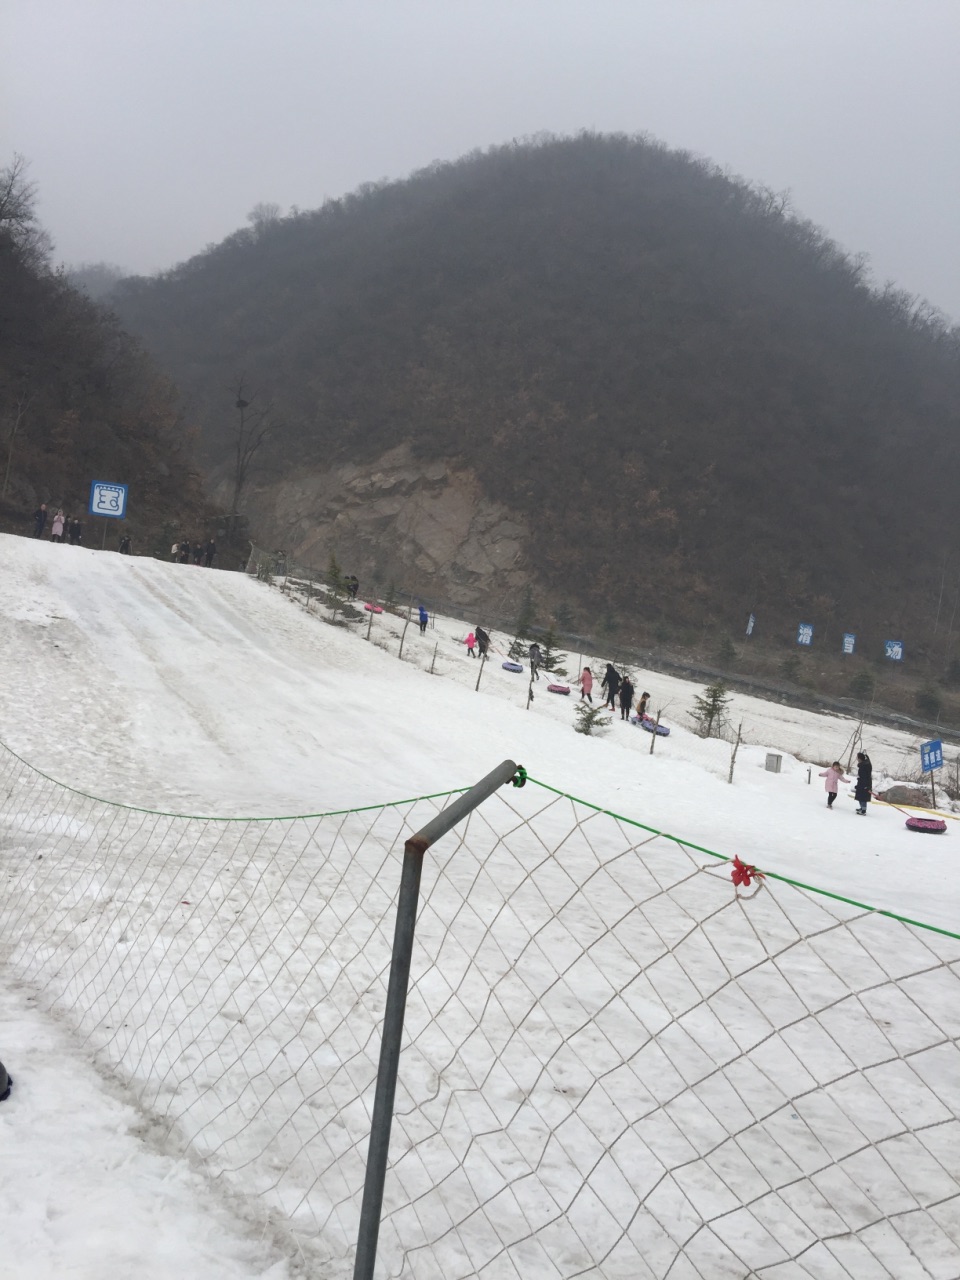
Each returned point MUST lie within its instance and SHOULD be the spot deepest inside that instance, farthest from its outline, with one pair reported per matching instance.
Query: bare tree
(253, 429)
(20, 407)
(18, 215)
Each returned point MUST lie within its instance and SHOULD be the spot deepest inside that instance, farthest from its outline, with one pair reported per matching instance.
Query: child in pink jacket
(586, 685)
(470, 642)
(834, 776)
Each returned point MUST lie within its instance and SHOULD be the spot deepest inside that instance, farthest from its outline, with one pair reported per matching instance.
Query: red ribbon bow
(741, 874)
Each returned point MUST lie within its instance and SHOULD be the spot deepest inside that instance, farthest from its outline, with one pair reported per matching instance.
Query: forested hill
(81, 401)
(695, 399)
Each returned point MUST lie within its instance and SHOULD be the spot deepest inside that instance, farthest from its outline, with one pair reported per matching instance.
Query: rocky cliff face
(421, 525)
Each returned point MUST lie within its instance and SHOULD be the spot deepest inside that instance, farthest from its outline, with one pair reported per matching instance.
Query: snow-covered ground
(182, 689)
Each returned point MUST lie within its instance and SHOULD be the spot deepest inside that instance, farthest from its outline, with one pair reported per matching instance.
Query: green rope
(200, 817)
(771, 875)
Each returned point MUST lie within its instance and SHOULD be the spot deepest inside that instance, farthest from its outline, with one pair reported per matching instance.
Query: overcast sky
(154, 126)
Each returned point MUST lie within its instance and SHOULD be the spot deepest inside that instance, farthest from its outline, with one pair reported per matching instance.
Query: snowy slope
(179, 688)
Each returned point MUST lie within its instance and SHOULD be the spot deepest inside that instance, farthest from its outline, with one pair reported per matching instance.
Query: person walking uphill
(471, 643)
(834, 776)
(424, 619)
(626, 697)
(586, 685)
(864, 788)
(611, 682)
(483, 641)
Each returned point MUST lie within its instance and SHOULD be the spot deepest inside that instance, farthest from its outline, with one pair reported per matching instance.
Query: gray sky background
(154, 126)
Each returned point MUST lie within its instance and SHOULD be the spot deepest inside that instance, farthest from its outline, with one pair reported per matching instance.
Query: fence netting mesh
(614, 1064)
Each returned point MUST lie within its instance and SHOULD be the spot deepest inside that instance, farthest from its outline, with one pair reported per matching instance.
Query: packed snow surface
(183, 689)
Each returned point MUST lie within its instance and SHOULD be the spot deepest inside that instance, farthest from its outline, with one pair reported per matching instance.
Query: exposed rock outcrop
(425, 525)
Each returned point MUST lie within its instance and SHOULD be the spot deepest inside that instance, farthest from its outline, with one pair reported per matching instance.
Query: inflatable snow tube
(512, 666)
(558, 688)
(373, 608)
(933, 826)
(651, 726)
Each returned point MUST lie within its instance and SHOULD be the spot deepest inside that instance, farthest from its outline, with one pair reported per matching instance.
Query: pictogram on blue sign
(108, 499)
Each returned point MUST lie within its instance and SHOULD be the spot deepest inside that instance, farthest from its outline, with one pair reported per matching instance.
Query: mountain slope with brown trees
(81, 401)
(696, 404)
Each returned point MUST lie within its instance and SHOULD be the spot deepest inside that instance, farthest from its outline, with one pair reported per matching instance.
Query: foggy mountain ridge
(671, 399)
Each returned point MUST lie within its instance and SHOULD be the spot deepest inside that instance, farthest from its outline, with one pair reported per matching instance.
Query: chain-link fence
(617, 1063)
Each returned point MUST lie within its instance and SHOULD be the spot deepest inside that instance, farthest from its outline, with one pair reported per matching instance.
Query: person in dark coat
(352, 583)
(535, 655)
(125, 545)
(209, 551)
(183, 555)
(424, 619)
(75, 531)
(864, 788)
(483, 640)
(626, 697)
(40, 520)
(611, 682)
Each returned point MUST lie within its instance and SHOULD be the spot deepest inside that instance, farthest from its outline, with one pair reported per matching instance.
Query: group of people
(478, 641)
(63, 528)
(620, 690)
(862, 792)
(196, 553)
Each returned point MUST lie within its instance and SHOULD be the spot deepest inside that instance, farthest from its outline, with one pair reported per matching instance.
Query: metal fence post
(382, 1119)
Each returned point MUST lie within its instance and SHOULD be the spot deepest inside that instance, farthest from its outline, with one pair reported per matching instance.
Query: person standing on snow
(536, 660)
(424, 619)
(471, 642)
(56, 529)
(75, 532)
(40, 520)
(611, 682)
(642, 705)
(483, 641)
(864, 788)
(586, 685)
(626, 697)
(834, 776)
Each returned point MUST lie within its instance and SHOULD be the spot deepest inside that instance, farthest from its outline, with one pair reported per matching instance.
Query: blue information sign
(893, 649)
(931, 755)
(805, 633)
(849, 642)
(108, 499)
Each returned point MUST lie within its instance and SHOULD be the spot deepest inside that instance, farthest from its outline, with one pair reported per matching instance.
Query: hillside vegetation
(80, 400)
(699, 403)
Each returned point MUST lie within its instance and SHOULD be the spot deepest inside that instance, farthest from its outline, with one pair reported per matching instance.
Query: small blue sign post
(805, 633)
(931, 757)
(108, 500)
(849, 642)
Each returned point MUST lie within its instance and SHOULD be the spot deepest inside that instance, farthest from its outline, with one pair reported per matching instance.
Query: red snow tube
(933, 826)
(558, 688)
(373, 608)
(512, 666)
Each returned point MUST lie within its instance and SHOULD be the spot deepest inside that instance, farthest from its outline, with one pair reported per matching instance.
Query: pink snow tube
(558, 688)
(933, 826)
(373, 608)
